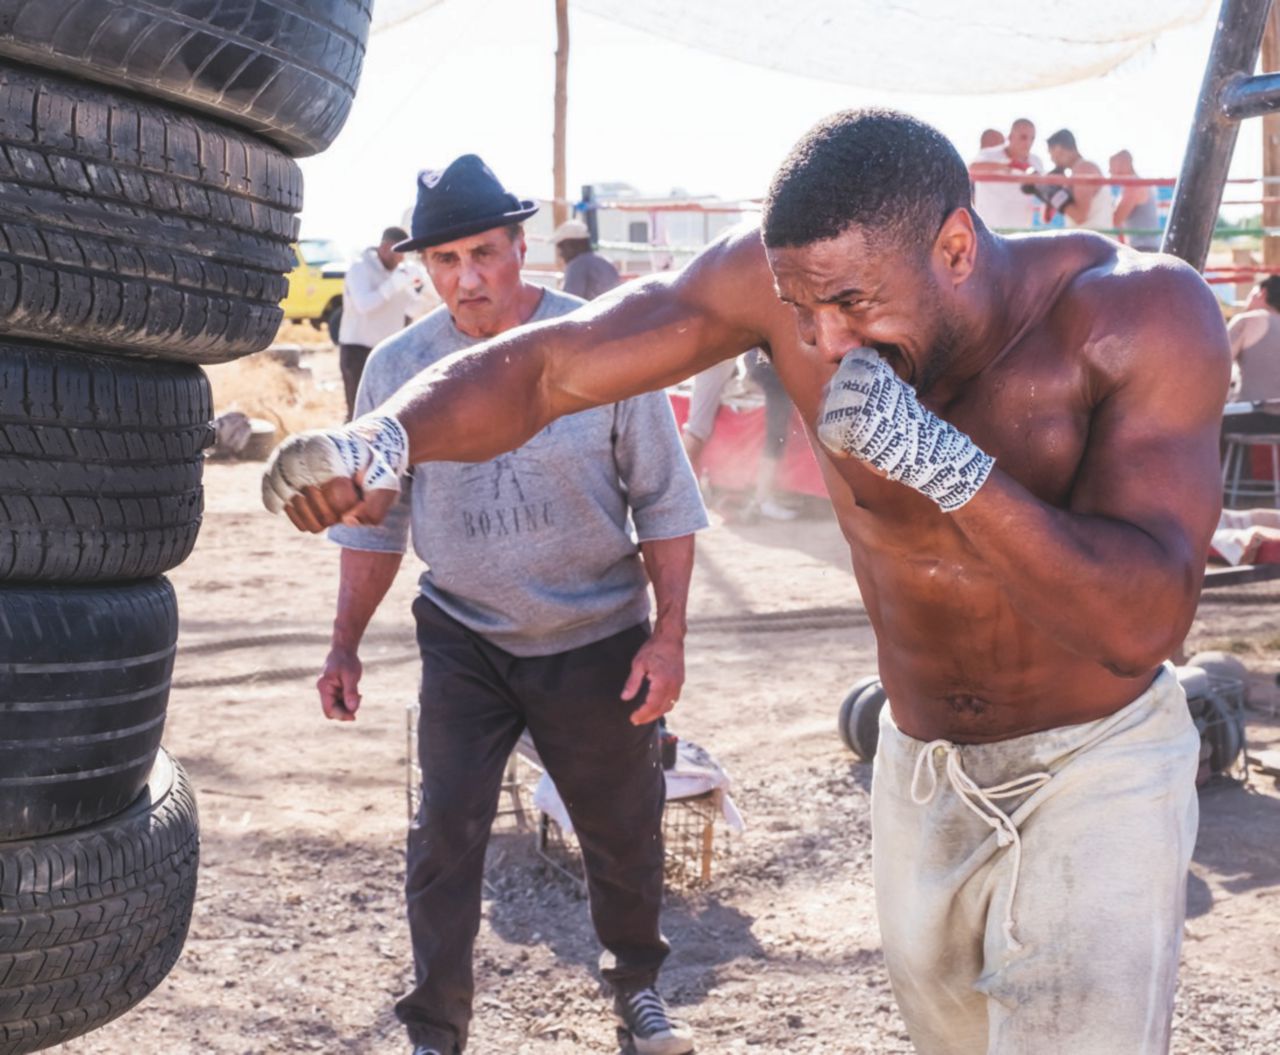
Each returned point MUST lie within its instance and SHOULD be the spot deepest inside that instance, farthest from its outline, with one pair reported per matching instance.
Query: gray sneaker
(643, 1014)
(422, 1049)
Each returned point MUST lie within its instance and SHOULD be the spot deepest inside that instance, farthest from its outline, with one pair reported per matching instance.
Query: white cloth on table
(695, 773)
(1241, 533)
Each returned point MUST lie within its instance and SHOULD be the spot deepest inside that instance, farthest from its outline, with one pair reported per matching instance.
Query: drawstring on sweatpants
(980, 802)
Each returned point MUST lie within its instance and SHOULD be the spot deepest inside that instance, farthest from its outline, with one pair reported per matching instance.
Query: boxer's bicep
(651, 333)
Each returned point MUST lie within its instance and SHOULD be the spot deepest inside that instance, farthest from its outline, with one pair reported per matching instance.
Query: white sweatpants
(1031, 892)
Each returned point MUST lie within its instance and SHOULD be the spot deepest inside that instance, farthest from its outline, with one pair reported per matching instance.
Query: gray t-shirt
(588, 275)
(536, 550)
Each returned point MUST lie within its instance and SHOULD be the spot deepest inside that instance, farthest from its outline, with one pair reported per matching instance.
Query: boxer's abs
(959, 663)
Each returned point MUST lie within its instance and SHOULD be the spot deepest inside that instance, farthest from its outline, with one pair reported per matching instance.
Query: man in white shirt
(381, 290)
(1003, 206)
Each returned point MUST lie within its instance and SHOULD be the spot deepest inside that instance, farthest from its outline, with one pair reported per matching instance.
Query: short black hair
(1270, 287)
(880, 169)
(395, 234)
(1063, 138)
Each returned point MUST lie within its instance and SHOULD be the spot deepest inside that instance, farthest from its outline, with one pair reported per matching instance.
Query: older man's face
(1021, 138)
(478, 277)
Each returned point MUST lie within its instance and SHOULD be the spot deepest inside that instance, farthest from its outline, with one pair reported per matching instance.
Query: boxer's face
(478, 277)
(849, 292)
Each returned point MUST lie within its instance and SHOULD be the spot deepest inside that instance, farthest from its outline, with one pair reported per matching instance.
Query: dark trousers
(351, 360)
(476, 700)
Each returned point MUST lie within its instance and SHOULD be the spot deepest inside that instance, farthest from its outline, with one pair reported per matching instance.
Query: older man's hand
(349, 475)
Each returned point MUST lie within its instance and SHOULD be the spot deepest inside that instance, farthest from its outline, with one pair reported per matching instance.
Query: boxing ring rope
(1235, 273)
(1232, 274)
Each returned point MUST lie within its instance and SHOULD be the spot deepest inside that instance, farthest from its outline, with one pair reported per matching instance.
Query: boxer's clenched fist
(870, 413)
(350, 474)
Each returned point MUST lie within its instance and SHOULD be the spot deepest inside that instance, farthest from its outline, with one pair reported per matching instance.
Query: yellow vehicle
(315, 284)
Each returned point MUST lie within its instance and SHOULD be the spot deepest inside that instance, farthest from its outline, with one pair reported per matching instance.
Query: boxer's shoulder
(1126, 317)
(1116, 302)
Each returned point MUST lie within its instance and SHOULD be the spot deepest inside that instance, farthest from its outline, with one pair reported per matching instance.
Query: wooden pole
(1271, 141)
(560, 210)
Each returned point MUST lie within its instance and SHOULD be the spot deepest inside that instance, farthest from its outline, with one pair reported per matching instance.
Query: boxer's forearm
(1106, 589)
(494, 397)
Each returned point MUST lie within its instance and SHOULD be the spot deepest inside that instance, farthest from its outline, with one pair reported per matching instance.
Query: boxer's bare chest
(1030, 410)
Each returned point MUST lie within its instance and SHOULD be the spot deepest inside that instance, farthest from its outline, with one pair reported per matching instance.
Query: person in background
(533, 614)
(381, 291)
(1003, 206)
(777, 415)
(991, 137)
(1135, 213)
(704, 405)
(1086, 203)
(586, 273)
(1255, 349)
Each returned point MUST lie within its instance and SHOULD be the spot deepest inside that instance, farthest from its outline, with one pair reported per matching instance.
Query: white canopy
(949, 46)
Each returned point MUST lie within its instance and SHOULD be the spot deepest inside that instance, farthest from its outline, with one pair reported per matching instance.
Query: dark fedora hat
(464, 199)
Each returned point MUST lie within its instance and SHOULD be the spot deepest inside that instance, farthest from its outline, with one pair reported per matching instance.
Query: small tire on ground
(100, 465)
(333, 323)
(281, 68)
(859, 721)
(92, 920)
(1222, 666)
(133, 229)
(84, 686)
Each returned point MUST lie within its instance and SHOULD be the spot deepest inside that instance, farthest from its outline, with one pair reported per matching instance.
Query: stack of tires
(148, 202)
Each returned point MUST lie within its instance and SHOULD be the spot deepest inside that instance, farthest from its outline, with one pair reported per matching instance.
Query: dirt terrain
(298, 942)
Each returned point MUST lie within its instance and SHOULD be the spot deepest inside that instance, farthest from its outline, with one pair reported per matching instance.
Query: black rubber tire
(286, 69)
(333, 323)
(130, 228)
(84, 685)
(860, 717)
(92, 920)
(100, 465)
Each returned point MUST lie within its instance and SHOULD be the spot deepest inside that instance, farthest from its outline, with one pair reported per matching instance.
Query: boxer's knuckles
(854, 401)
(308, 459)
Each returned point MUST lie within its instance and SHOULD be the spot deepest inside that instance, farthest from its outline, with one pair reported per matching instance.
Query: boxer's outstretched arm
(489, 399)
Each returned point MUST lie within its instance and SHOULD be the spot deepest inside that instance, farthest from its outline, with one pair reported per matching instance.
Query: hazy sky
(478, 76)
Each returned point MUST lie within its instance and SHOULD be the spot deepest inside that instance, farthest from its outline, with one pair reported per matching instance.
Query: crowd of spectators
(1026, 201)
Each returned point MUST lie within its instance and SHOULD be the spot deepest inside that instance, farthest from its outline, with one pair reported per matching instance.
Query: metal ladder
(1231, 91)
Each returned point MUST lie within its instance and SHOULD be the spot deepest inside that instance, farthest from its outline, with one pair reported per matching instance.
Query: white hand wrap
(378, 447)
(872, 414)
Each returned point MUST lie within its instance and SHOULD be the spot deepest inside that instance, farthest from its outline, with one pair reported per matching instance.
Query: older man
(1021, 443)
(533, 615)
(1001, 204)
(1136, 214)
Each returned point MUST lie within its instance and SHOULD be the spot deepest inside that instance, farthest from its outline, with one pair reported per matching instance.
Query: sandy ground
(298, 942)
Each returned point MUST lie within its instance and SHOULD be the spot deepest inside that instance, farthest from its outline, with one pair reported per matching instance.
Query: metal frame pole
(1213, 131)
